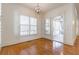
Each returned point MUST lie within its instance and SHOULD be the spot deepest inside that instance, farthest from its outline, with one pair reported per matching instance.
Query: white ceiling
(43, 6)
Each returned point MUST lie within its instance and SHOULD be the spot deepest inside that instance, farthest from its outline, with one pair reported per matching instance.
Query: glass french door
(58, 28)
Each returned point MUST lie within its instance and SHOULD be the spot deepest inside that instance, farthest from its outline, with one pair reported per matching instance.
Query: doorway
(58, 28)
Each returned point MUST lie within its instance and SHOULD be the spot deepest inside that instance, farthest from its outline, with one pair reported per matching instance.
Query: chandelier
(37, 8)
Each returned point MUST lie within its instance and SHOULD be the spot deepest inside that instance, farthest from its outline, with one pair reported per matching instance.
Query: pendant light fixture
(37, 8)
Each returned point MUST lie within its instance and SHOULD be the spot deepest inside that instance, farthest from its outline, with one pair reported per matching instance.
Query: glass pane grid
(28, 25)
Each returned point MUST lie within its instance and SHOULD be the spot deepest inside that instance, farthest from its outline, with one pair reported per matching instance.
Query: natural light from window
(28, 25)
(47, 26)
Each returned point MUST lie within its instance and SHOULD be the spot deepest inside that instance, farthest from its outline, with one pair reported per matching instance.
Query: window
(28, 25)
(47, 26)
(24, 25)
(33, 25)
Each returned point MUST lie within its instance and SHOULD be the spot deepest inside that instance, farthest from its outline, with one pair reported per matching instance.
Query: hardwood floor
(41, 47)
(72, 50)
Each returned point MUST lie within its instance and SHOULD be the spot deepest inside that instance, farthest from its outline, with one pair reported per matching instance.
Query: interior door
(58, 28)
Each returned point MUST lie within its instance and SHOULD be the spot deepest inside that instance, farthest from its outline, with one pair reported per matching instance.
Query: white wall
(77, 25)
(67, 11)
(0, 25)
(10, 14)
